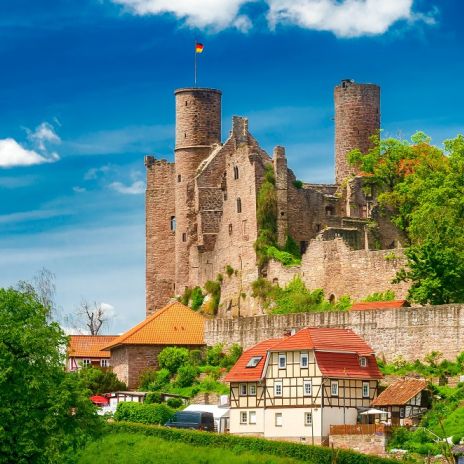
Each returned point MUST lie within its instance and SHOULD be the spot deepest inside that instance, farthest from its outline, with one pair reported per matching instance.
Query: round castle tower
(357, 117)
(198, 127)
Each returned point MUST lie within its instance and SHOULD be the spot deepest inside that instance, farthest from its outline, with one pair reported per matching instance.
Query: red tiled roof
(324, 339)
(89, 346)
(366, 305)
(249, 374)
(175, 324)
(346, 365)
(400, 392)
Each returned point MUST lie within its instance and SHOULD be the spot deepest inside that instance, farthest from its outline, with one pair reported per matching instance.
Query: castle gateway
(201, 210)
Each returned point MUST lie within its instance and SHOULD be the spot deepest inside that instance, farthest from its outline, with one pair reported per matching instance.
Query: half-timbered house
(296, 387)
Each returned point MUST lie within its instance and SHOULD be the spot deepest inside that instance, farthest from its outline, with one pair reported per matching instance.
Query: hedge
(308, 453)
(144, 413)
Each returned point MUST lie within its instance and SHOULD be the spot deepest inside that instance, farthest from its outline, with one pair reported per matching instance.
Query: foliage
(196, 299)
(186, 376)
(146, 377)
(143, 413)
(100, 381)
(213, 287)
(135, 448)
(388, 295)
(215, 354)
(185, 298)
(292, 247)
(421, 187)
(154, 397)
(287, 259)
(229, 270)
(195, 357)
(298, 184)
(295, 298)
(175, 403)
(306, 453)
(45, 413)
(173, 357)
(235, 351)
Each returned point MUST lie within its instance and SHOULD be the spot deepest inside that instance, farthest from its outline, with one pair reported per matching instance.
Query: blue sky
(86, 90)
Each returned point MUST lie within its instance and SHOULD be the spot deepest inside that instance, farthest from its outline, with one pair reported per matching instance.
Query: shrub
(196, 299)
(261, 288)
(195, 357)
(161, 380)
(388, 295)
(298, 184)
(229, 270)
(292, 247)
(143, 413)
(147, 377)
(185, 298)
(100, 381)
(214, 355)
(213, 287)
(175, 403)
(154, 398)
(231, 358)
(186, 376)
(173, 357)
(287, 259)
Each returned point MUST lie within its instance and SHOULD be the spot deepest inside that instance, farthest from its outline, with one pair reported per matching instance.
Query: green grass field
(127, 448)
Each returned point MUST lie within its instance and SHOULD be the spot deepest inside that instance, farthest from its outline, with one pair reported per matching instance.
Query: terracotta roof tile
(175, 324)
(400, 392)
(367, 305)
(346, 365)
(89, 346)
(240, 372)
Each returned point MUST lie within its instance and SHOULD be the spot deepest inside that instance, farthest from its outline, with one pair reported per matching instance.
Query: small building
(405, 401)
(139, 347)
(295, 388)
(88, 350)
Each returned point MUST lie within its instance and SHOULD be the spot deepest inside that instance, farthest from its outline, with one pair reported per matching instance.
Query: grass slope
(128, 448)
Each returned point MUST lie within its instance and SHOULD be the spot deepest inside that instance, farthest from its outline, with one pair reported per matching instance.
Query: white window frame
(363, 361)
(282, 356)
(306, 357)
(308, 423)
(365, 394)
(242, 389)
(243, 417)
(305, 383)
(104, 363)
(278, 419)
(252, 417)
(276, 384)
(334, 392)
(86, 362)
(252, 389)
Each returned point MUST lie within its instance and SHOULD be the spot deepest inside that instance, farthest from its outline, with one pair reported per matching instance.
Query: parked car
(198, 420)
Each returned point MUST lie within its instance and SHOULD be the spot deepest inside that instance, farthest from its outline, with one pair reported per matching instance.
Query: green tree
(45, 415)
(173, 357)
(100, 381)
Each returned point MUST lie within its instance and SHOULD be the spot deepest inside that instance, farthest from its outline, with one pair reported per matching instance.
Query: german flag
(199, 47)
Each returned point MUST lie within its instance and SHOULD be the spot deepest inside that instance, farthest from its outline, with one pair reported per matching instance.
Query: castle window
(239, 205)
(329, 211)
(332, 299)
(184, 237)
(303, 247)
(186, 104)
(230, 229)
(173, 223)
(235, 172)
(318, 227)
(179, 178)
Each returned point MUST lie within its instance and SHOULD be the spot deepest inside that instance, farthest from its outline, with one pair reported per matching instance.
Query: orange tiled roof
(366, 305)
(89, 346)
(346, 366)
(175, 324)
(240, 372)
(399, 393)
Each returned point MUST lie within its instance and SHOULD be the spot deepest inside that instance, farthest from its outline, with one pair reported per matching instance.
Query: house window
(235, 172)
(252, 389)
(104, 363)
(365, 389)
(243, 389)
(173, 223)
(304, 360)
(252, 417)
(239, 205)
(307, 387)
(278, 419)
(282, 361)
(402, 413)
(308, 418)
(243, 417)
(334, 388)
(278, 388)
(86, 362)
(363, 361)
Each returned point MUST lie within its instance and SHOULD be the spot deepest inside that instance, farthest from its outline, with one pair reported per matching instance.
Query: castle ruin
(201, 210)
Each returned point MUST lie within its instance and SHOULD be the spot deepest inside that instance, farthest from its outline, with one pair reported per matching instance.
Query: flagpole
(195, 60)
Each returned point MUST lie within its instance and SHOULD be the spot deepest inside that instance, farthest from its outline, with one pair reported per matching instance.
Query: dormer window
(363, 361)
(254, 361)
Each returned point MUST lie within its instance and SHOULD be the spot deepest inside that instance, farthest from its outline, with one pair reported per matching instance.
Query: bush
(287, 259)
(146, 378)
(100, 381)
(196, 299)
(213, 287)
(195, 357)
(214, 355)
(186, 376)
(388, 295)
(307, 453)
(173, 357)
(175, 403)
(298, 184)
(153, 398)
(229, 270)
(185, 298)
(143, 413)
(231, 358)
(161, 380)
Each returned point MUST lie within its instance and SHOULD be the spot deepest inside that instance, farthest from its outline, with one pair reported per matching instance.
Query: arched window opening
(239, 205)
(235, 172)
(173, 223)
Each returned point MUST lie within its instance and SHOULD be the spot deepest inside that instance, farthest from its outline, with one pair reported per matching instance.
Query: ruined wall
(366, 444)
(160, 239)
(339, 270)
(410, 332)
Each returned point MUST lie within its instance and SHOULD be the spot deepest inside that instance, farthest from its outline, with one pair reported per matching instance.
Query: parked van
(198, 420)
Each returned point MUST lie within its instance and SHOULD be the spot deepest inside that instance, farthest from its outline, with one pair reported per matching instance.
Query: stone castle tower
(201, 209)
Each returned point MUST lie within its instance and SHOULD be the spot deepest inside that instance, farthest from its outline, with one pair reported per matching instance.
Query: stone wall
(409, 332)
(366, 444)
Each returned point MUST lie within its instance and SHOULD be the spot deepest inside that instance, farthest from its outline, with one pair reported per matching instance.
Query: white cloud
(93, 173)
(44, 133)
(108, 309)
(78, 189)
(344, 18)
(135, 188)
